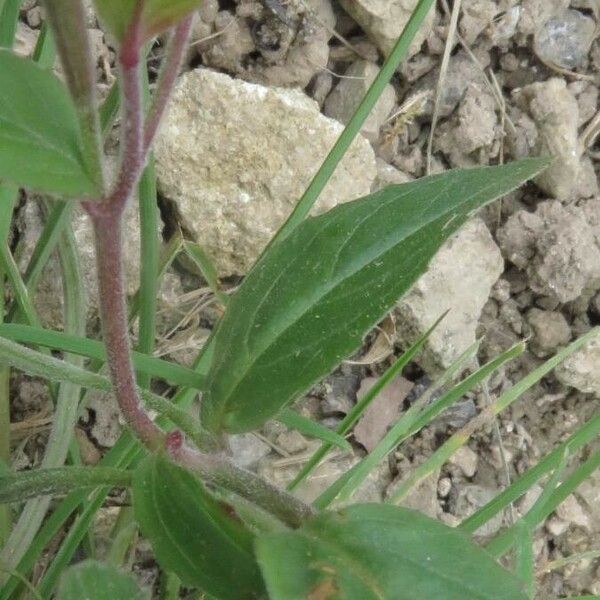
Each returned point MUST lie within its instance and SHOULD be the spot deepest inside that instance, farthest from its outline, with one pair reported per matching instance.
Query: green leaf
(39, 131)
(309, 300)
(192, 534)
(116, 15)
(94, 580)
(311, 428)
(162, 14)
(374, 551)
(157, 15)
(56, 340)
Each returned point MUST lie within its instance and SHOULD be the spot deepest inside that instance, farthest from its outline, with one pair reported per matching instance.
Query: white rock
(466, 460)
(25, 39)
(247, 449)
(235, 158)
(558, 246)
(534, 13)
(565, 39)
(384, 20)
(459, 279)
(349, 92)
(581, 370)
(572, 512)
(388, 175)
(555, 112)
(424, 496)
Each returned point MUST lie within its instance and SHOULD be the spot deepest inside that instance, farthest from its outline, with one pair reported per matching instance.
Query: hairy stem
(113, 312)
(132, 145)
(221, 472)
(59, 480)
(168, 74)
(107, 218)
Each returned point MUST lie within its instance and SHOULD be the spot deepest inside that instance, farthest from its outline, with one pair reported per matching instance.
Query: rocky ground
(267, 88)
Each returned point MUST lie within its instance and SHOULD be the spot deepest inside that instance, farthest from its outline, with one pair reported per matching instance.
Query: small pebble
(466, 460)
(565, 39)
(444, 487)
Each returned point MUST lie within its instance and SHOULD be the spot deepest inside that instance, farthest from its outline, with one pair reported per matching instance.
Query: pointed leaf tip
(308, 302)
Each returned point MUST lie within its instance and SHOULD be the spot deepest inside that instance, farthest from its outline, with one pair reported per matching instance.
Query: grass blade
(9, 15)
(8, 200)
(359, 408)
(310, 428)
(356, 122)
(501, 544)
(67, 401)
(524, 559)
(412, 422)
(206, 268)
(40, 365)
(56, 340)
(457, 440)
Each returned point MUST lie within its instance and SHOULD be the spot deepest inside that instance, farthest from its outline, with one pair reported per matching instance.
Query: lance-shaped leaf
(40, 139)
(376, 552)
(307, 303)
(93, 580)
(157, 15)
(193, 535)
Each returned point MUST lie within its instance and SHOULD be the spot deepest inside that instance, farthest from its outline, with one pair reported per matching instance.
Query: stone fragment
(550, 330)
(291, 441)
(558, 247)
(424, 496)
(477, 16)
(383, 411)
(384, 20)
(466, 460)
(349, 92)
(459, 279)
(534, 13)
(472, 497)
(104, 418)
(388, 175)
(371, 490)
(581, 370)
(555, 112)
(462, 72)
(25, 39)
(471, 128)
(285, 46)
(572, 512)
(235, 157)
(565, 39)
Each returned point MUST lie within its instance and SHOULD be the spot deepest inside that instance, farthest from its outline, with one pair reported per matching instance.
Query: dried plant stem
(442, 79)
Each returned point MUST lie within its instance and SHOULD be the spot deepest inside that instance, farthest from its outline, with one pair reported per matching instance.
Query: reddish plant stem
(106, 217)
(113, 313)
(171, 66)
(132, 152)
